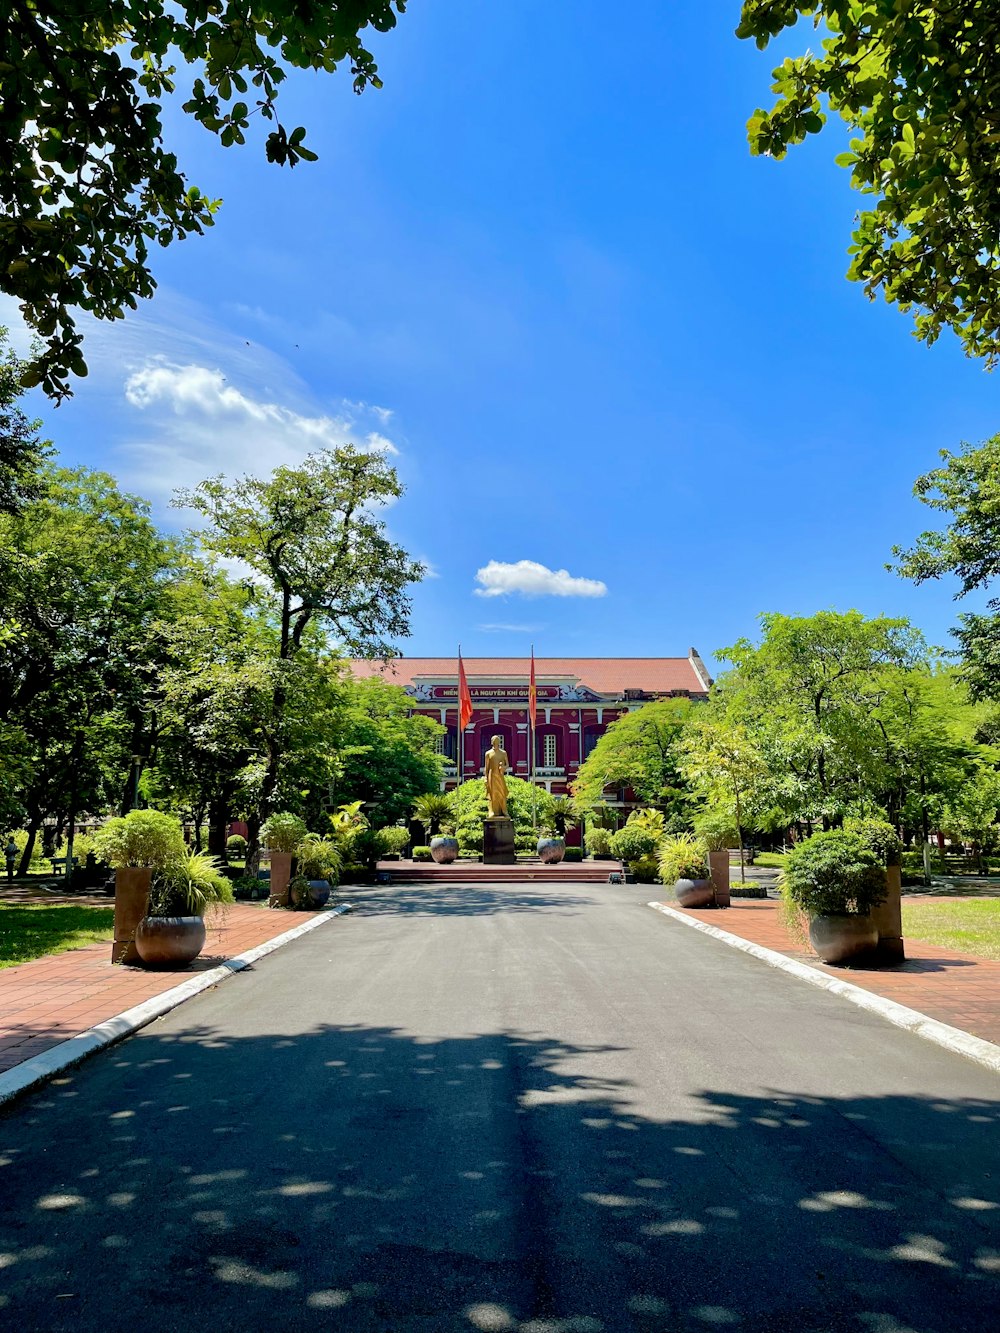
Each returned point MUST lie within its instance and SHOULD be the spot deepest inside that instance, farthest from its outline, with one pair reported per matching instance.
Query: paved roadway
(545, 1111)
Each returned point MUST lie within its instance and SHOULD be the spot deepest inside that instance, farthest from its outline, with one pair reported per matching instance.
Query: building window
(440, 744)
(591, 736)
(549, 750)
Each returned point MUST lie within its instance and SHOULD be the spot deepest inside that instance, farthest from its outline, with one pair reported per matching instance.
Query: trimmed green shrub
(598, 841)
(573, 854)
(469, 806)
(834, 874)
(632, 842)
(646, 870)
(282, 831)
(878, 836)
(140, 838)
(236, 847)
(422, 854)
(682, 857)
(392, 840)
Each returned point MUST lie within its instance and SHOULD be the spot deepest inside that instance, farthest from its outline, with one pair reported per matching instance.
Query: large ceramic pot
(843, 939)
(694, 893)
(169, 941)
(444, 850)
(551, 850)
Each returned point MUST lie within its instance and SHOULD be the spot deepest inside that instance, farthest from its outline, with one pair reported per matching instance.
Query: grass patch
(32, 930)
(971, 925)
(770, 860)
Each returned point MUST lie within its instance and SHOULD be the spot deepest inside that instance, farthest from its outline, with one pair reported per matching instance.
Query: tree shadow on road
(373, 1180)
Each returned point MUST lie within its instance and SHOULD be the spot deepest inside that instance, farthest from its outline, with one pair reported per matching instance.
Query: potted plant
(135, 845)
(434, 811)
(318, 862)
(683, 863)
(835, 880)
(551, 849)
(281, 834)
(172, 933)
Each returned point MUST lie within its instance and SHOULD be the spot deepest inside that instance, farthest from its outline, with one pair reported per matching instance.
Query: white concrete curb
(952, 1039)
(53, 1061)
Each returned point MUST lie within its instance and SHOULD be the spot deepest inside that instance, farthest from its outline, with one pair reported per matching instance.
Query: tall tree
(967, 489)
(21, 451)
(807, 695)
(310, 537)
(918, 82)
(82, 574)
(641, 750)
(88, 181)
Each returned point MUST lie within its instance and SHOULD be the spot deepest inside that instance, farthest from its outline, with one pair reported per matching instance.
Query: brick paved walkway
(51, 999)
(955, 988)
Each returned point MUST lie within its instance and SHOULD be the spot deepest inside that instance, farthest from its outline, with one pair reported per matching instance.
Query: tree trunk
(34, 824)
(218, 824)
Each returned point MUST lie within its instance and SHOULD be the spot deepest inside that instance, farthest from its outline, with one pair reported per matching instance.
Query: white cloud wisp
(527, 577)
(203, 424)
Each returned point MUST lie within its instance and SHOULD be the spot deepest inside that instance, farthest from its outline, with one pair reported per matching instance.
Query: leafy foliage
(833, 874)
(21, 451)
(392, 841)
(682, 857)
(319, 858)
(89, 183)
(641, 750)
(282, 831)
(188, 885)
(470, 807)
(633, 841)
(433, 810)
(919, 84)
(967, 488)
(140, 838)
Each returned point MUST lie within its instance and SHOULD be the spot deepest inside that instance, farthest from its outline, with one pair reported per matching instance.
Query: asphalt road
(507, 1109)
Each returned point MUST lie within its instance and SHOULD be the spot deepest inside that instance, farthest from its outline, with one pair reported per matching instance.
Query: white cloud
(510, 629)
(528, 577)
(202, 423)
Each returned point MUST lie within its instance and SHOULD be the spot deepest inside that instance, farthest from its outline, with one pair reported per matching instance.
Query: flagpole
(458, 719)
(531, 742)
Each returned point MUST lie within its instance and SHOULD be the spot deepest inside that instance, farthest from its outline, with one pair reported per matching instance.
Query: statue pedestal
(498, 842)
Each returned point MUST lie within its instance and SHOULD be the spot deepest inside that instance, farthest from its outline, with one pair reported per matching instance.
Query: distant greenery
(32, 930)
(470, 807)
(771, 860)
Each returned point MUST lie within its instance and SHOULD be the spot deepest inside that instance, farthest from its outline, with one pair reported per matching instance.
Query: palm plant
(432, 810)
(564, 815)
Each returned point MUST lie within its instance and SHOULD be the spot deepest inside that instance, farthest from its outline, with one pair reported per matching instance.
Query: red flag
(464, 697)
(532, 692)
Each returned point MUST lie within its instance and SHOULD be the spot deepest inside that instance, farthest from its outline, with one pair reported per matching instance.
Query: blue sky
(603, 339)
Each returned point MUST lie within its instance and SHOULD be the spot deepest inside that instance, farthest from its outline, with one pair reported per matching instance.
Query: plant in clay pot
(319, 863)
(281, 833)
(835, 879)
(683, 862)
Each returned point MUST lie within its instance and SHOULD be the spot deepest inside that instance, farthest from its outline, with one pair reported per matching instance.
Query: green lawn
(971, 925)
(770, 860)
(29, 931)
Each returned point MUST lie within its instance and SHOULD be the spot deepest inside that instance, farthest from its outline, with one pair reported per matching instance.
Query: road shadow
(370, 1180)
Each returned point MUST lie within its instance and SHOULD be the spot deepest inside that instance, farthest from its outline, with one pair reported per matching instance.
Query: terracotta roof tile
(604, 675)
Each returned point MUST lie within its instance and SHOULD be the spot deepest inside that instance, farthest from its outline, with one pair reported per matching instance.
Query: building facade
(578, 699)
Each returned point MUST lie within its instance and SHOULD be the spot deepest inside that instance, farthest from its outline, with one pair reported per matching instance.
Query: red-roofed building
(578, 698)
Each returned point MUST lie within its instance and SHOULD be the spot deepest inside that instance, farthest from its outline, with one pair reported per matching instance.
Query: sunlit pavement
(532, 1109)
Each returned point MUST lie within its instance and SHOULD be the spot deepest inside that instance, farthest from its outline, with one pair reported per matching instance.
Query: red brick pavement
(955, 988)
(52, 999)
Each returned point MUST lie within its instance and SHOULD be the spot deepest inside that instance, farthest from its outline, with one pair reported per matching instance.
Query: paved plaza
(524, 1109)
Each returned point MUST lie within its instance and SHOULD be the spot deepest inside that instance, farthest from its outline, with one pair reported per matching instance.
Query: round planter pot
(843, 939)
(551, 850)
(169, 941)
(319, 893)
(694, 892)
(444, 850)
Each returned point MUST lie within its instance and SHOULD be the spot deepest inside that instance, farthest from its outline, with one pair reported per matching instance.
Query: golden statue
(494, 769)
